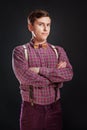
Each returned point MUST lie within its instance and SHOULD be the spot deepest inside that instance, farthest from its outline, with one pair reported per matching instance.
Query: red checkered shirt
(49, 75)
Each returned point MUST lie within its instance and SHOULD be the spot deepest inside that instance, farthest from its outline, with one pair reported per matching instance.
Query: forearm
(57, 75)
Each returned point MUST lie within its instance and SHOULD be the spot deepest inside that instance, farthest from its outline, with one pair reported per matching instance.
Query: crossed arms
(36, 70)
(41, 76)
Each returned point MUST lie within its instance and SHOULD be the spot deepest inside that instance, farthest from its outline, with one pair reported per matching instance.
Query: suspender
(55, 51)
(26, 53)
(31, 87)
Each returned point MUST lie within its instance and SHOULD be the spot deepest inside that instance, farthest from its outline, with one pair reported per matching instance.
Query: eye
(48, 24)
(40, 24)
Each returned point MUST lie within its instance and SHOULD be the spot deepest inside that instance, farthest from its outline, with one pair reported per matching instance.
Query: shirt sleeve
(22, 72)
(56, 75)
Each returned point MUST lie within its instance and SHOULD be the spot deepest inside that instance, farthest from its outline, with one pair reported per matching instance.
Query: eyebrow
(43, 22)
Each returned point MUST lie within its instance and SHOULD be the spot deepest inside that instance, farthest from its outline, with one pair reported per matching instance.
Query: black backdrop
(69, 26)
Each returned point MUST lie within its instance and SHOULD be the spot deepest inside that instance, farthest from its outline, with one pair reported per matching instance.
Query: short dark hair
(38, 13)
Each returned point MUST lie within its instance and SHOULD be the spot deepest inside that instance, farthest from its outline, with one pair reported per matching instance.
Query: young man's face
(41, 28)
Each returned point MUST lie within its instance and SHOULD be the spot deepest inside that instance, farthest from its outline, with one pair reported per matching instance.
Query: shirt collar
(32, 43)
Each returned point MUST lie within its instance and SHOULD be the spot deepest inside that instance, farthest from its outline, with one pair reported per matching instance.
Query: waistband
(42, 107)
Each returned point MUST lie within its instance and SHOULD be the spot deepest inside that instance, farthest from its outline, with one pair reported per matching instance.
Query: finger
(62, 65)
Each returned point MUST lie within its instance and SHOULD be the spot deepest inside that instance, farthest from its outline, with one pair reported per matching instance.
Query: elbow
(70, 75)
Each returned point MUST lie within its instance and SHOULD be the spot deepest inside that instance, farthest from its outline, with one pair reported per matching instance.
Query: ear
(30, 27)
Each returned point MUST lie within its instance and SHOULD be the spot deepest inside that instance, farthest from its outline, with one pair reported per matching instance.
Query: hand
(62, 64)
(35, 69)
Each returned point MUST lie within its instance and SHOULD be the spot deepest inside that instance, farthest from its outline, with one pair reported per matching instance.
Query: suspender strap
(30, 86)
(55, 88)
(55, 50)
(31, 94)
(25, 52)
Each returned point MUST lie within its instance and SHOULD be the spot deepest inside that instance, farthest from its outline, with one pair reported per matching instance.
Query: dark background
(69, 30)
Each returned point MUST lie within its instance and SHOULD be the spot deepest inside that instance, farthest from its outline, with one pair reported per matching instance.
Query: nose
(45, 28)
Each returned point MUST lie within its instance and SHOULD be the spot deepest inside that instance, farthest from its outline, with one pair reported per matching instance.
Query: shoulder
(20, 48)
(59, 48)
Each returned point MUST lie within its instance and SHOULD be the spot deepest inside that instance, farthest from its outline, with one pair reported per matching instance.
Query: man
(41, 69)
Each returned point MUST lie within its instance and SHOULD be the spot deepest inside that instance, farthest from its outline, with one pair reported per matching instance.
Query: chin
(44, 39)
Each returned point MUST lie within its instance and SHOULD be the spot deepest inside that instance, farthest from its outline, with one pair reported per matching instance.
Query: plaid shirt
(49, 75)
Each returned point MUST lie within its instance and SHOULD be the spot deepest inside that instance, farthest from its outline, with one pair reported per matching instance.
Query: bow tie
(44, 45)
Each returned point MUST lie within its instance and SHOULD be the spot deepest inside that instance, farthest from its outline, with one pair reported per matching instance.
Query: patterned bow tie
(44, 45)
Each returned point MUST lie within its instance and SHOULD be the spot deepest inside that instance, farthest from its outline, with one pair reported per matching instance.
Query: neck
(36, 41)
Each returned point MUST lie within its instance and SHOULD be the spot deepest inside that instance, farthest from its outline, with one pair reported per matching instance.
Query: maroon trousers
(41, 117)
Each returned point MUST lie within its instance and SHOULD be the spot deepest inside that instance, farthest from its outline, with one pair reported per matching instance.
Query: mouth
(45, 34)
